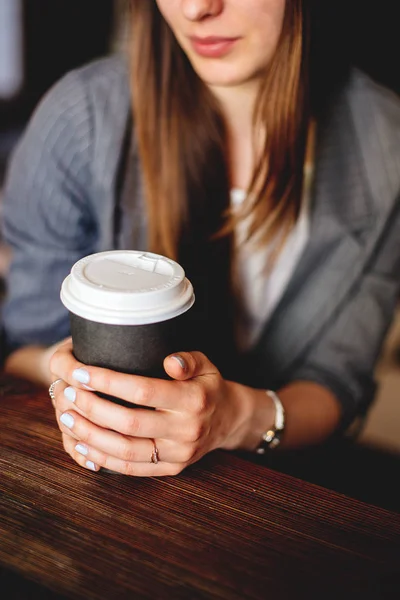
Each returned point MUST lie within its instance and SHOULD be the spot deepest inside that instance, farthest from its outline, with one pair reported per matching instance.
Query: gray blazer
(67, 177)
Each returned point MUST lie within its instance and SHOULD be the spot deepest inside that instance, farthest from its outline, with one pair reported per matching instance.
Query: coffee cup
(128, 311)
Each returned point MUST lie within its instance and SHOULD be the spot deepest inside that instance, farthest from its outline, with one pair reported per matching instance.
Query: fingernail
(70, 394)
(90, 465)
(81, 375)
(67, 420)
(82, 449)
(89, 389)
(180, 360)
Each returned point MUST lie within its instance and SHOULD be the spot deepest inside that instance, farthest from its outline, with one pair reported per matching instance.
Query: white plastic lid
(127, 288)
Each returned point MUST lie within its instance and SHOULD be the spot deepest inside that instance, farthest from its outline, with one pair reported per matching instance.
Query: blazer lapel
(343, 234)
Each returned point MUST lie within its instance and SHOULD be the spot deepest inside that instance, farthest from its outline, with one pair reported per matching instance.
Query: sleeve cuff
(353, 403)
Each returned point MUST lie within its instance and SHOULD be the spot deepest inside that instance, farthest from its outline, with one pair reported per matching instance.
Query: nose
(196, 10)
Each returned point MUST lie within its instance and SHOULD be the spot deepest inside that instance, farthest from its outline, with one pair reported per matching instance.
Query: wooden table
(225, 528)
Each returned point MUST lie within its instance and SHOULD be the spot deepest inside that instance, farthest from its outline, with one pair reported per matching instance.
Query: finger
(140, 426)
(93, 460)
(69, 446)
(135, 422)
(64, 431)
(62, 399)
(188, 365)
(136, 469)
(63, 362)
(144, 469)
(66, 342)
(62, 351)
(63, 344)
(138, 390)
(142, 391)
(175, 425)
(138, 450)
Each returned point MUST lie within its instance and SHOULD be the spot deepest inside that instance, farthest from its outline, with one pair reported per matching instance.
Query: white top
(260, 291)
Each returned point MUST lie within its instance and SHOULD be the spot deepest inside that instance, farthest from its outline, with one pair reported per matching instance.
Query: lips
(213, 47)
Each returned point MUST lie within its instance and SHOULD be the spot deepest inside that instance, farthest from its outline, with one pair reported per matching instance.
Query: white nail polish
(67, 420)
(82, 449)
(81, 375)
(70, 394)
(180, 361)
(90, 465)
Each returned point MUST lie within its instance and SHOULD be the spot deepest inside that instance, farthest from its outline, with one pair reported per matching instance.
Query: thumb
(187, 365)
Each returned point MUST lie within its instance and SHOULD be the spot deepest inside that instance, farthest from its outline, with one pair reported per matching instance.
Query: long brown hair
(182, 140)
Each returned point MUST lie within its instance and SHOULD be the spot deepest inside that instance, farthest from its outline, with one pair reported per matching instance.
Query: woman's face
(228, 42)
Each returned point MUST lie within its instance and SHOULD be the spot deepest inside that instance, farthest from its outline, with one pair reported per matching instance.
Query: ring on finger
(52, 387)
(155, 454)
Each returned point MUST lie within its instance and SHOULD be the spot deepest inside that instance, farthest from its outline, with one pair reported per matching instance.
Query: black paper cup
(128, 311)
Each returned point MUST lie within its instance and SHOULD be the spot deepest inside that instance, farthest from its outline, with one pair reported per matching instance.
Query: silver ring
(154, 455)
(51, 389)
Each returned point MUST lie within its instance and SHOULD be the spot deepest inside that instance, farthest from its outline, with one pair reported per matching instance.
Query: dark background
(375, 44)
(58, 36)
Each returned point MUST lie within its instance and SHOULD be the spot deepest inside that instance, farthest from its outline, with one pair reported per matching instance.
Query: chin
(222, 77)
(226, 73)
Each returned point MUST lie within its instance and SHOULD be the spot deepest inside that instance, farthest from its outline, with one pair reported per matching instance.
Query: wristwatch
(272, 437)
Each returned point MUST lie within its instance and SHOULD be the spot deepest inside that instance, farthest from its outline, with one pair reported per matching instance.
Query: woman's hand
(195, 413)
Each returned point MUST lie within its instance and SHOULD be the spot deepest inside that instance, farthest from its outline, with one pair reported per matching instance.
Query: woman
(252, 152)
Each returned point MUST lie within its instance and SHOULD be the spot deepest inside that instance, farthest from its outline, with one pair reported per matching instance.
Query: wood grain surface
(225, 528)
